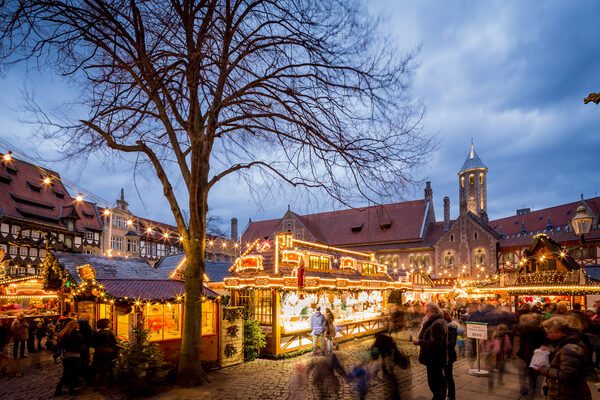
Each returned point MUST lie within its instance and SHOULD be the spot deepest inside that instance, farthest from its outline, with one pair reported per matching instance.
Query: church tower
(472, 181)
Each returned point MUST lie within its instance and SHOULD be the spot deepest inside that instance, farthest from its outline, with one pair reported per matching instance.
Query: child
(460, 341)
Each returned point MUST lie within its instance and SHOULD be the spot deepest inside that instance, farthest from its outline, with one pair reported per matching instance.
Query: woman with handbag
(70, 342)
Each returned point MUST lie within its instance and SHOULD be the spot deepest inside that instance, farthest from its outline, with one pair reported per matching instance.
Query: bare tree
(304, 91)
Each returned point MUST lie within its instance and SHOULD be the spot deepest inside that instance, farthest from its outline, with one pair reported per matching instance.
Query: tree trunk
(190, 372)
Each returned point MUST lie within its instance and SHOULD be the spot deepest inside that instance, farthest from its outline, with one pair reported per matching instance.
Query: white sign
(477, 330)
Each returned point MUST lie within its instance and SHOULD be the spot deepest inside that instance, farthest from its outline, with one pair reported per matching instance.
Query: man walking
(317, 327)
(19, 330)
(433, 340)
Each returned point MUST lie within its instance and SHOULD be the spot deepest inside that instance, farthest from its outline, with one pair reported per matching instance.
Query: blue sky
(512, 75)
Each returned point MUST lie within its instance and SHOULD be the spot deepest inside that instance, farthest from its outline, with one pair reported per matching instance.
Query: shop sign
(477, 330)
(247, 262)
(293, 257)
(346, 262)
(86, 272)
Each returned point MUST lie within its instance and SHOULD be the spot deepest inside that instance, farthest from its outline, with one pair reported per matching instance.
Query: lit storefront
(283, 282)
(26, 295)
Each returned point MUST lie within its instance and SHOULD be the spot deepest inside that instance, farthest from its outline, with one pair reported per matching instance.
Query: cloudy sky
(511, 75)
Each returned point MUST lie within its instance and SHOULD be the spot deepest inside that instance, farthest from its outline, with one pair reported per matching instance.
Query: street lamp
(582, 223)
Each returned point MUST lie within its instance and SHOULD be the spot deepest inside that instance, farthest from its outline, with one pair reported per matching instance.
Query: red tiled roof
(537, 221)
(23, 195)
(335, 228)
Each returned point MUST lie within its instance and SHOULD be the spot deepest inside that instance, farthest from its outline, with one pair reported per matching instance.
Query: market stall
(130, 292)
(283, 282)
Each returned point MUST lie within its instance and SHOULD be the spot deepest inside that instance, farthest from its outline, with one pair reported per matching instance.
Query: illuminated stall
(128, 292)
(283, 281)
(26, 295)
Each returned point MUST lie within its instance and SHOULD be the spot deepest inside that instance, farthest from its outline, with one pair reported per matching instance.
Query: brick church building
(406, 235)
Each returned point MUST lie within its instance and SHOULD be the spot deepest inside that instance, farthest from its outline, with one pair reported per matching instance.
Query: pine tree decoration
(254, 339)
(140, 367)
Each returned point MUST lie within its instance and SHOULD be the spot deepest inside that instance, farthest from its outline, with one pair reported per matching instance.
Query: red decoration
(264, 246)
(301, 274)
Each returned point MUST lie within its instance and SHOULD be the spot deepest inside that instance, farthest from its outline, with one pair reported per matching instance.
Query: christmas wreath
(232, 331)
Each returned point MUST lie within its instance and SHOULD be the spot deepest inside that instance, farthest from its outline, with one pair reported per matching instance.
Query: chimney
(446, 213)
(428, 192)
(234, 229)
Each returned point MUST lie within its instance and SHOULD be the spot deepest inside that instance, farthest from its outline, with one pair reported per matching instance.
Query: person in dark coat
(448, 369)
(40, 332)
(531, 336)
(86, 332)
(105, 351)
(70, 342)
(31, 336)
(565, 377)
(433, 340)
(19, 331)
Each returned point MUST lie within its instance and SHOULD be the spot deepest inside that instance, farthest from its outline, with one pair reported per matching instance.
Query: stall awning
(147, 289)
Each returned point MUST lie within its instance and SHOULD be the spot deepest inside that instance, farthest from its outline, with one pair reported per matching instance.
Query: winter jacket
(72, 344)
(531, 337)
(329, 326)
(452, 334)
(317, 323)
(565, 377)
(105, 343)
(433, 340)
(19, 329)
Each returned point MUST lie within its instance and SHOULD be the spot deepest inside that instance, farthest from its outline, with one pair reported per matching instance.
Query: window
(42, 252)
(314, 262)
(14, 230)
(35, 235)
(59, 195)
(25, 233)
(476, 235)
(131, 245)
(462, 181)
(70, 225)
(452, 238)
(160, 249)
(368, 269)
(118, 222)
(411, 259)
(471, 179)
(242, 298)
(426, 260)
(479, 257)
(33, 252)
(142, 247)
(395, 261)
(510, 257)
(419, 260)
(96, 236)
(61, 237)
(89, 236)
(122, 330)
(481, 179)
(209, 318)
(68, 242)
(4, 228)
(262, 309)
(116, 243)
(23, 252)
(449, 259)
(88, 252)
(164, 321)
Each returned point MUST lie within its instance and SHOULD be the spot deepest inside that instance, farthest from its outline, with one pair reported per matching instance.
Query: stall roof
(215, 271)
(147, 289)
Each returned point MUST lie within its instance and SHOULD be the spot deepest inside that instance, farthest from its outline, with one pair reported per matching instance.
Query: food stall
(26, 295)
(282, 282)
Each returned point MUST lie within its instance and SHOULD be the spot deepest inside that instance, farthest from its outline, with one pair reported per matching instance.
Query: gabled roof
(545, 241)
(24, 196)
(396, 222)
(553, 221)
(472, 162)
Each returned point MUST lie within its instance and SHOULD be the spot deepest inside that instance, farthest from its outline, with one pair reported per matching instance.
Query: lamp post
(582, 223)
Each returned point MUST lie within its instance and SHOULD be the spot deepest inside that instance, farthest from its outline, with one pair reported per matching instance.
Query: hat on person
(591, 309)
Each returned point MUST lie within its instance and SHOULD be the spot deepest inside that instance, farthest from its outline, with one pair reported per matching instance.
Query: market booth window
(164, 321)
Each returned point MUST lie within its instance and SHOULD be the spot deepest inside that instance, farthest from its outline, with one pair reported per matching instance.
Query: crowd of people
(553, 348)
(73, 341)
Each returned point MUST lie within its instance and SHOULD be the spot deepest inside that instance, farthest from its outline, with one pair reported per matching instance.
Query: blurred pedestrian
(448, 369)
(298, 384)
(564, 373)
(40, 332)
(70, 343)
(20, 333)
(433, 340)
(323, 374)
(105, 351)
(317, 328)
(87, 333)
(329, 329)
(497, 350)
(360, 376)
(531, 336)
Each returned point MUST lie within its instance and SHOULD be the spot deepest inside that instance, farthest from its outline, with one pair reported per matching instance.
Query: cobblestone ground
(260, 379)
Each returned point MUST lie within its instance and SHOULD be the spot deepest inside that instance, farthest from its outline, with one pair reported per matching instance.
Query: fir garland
(230, 350)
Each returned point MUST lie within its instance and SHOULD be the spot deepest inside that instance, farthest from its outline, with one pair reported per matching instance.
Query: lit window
(481, 179)
(471, 179)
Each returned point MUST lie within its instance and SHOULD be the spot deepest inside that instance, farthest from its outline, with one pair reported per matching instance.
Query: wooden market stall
(546, 274)
(128, 292)
(282, 281)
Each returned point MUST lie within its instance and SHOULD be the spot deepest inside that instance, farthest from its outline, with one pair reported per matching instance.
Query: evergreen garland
(55, 276)
(230, 350)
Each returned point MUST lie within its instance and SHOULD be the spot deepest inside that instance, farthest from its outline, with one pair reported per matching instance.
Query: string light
(129, 222)
(47, 180)
(7, 156)
(107, 212)
(79, 197)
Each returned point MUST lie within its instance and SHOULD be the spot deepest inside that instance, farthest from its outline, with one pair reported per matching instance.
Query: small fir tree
(140, 367)
(254, 339)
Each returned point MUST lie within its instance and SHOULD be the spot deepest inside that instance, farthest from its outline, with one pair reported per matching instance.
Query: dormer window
(385, 225)
(70, 225)
(59, 195)
(357, 228)
(11, 171)
(34, 188)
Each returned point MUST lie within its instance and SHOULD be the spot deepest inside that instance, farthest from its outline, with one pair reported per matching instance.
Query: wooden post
(275, 323)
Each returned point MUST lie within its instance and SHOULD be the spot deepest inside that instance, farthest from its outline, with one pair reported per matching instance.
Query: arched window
(419, 260)
(395, 261)
(411, 260)
(426, 260)
(481, 179)
(479, 257)
(471, 179)
(449, 258)
(462, 181)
